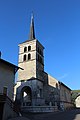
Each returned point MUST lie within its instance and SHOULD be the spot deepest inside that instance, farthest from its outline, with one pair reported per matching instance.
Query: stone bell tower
(31, 57)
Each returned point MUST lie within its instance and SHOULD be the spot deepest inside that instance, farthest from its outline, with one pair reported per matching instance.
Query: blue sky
(57, 27)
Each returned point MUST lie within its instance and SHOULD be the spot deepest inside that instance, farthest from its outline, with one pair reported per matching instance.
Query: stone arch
(24, 57)
(26, 96)
(25, 49)
(29, 48)
(29, 56)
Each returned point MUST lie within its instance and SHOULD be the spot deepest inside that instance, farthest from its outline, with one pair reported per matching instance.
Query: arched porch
(26, 96)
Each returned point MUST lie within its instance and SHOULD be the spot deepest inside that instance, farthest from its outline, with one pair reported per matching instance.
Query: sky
(57, 27)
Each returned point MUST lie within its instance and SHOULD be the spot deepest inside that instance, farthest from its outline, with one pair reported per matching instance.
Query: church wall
(36, 90)
(29, 66)
(57, 92)
(21, 57)
(33, 67)
(35, 86)
(51, 95)
(26, 44)
(65, 94)
(52, 81)
(39, 73)
(28, 72)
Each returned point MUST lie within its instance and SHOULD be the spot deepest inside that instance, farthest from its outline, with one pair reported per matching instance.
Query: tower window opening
(24, 58)
(29, 48)
(25, 49)
(29, 56)
(40, 51)
(40, 59)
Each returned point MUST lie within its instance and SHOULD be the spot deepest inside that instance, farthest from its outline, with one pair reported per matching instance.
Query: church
(35, 89)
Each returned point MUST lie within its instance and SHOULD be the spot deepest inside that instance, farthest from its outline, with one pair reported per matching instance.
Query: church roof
(64, 85)
(32, 31)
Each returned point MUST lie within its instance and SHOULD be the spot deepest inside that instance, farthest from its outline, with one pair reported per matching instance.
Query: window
(25, 49)
(29, 56)
(5, 90)
(29, 48)
(40, 59)
(39, 51)
(24, 58)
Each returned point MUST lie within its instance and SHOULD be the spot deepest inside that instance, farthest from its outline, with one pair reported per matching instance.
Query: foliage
(75, 94)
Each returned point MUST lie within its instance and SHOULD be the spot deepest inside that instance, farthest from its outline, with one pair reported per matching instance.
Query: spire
(32, 32)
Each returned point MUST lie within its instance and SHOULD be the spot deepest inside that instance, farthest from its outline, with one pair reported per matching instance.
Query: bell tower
(31, 57)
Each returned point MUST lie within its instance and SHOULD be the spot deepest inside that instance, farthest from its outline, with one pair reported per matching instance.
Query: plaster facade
(7, 78)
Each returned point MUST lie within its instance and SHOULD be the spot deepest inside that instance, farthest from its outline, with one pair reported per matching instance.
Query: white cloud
(63, 76)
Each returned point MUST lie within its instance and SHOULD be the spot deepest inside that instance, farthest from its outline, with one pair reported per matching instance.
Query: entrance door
(26, 96)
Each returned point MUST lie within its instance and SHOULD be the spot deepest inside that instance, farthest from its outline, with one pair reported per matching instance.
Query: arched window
(29, 56)
(25, 49)
(24, 58)
(29, 48)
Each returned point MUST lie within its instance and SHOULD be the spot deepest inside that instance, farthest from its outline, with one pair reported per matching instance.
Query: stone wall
(36, 87)
(32, 67)
(65, 93)
(39, 109)
(29, 66)
(29, 70)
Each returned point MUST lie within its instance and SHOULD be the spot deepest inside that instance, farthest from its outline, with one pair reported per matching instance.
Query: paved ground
(67, 115)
